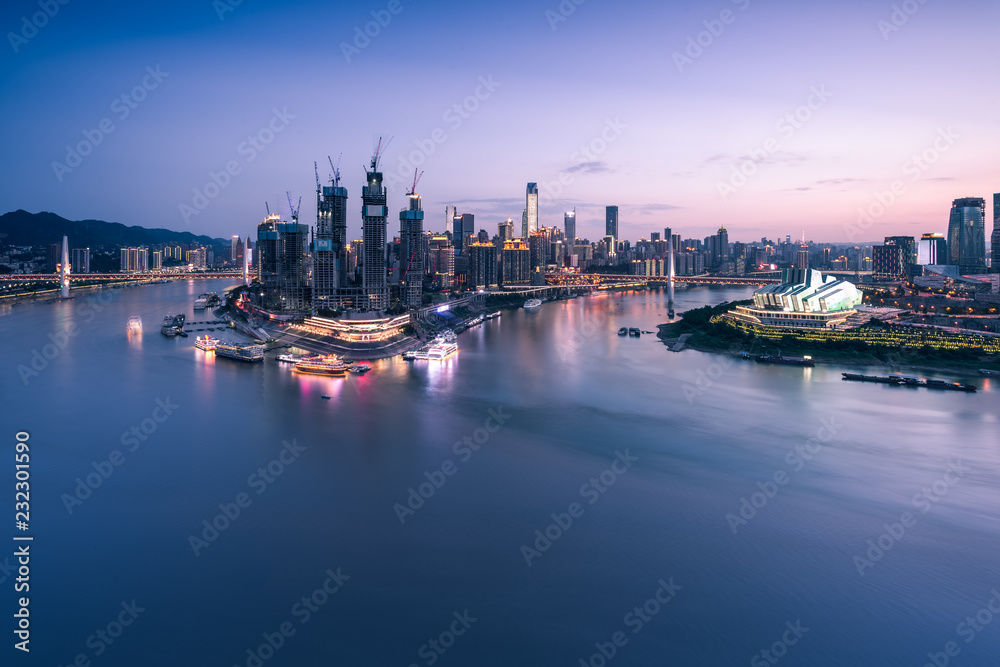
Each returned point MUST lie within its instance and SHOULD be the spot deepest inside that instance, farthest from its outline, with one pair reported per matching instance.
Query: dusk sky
(663, 135)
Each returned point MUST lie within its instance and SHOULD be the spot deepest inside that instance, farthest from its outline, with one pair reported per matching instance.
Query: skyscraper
(611, 221)
(537, 247)
(995, 238)
(531, 207)
(80, 260)
(569, 227)
(482, 266)
(411, 252)
(967, 235)
(449, 215)
(505, 230)
(373, 233)
(283, 265)
(330, 244)
(464, 225)
(932, 249)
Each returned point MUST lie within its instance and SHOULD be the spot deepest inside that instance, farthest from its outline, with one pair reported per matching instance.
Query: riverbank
(703, 331)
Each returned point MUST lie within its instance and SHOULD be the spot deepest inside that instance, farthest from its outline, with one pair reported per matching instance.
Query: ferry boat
(207, 343)
(623, 331)
(987, 372)
(634, 331)
(135, 324)
(172, 325)
(786, 361)
(359, 369)
(328, 365)
(532, 303)
(440, 348)
(240, 351)
(900, 380)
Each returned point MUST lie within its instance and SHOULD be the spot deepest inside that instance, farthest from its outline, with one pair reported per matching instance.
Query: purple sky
(673, 134)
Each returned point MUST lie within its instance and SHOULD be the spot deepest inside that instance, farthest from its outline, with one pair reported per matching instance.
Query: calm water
(571, 395)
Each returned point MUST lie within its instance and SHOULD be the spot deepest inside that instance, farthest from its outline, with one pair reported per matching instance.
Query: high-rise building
(234, 247)
(516, 263)
(441, 255)
(463, 227)
(283, 265)
(134, 260)
(52, 261)
(155, 260)
(967, 235)
(524, 224)
(531, 208)
(449, 216)
(81, 260)
(505, 230)
(611, 221)
(569, 227)
(411, 252)
(719, 247)
(537, 247)
(329, 273)
(482, 272)
(995, 238)
(373, 232)
(802, 258)
(932, 249)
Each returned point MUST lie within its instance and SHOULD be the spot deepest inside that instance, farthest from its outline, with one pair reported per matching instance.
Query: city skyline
(834, 129)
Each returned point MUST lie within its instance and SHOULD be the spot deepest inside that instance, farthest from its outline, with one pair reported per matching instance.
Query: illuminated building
(482, 266)
(283, 265)
(967, 235)
(329, 252)
(516, 269)
(134, 260)
(373, 231)
(81, 260)
(995, 238)
(569, 227)
(531, 208)
(356, 330)
(805, 299)
(442, 261)
(932, 249)
(411, 237)
(611, 221)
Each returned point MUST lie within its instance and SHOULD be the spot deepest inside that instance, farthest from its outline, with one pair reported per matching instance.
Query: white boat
(532, 303)
(207, 343)
(135, 324)
(442, 347)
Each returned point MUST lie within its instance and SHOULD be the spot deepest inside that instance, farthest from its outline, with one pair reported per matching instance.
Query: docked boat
(532, 303)
(328, 365)
(240, 351)
(207, 300)
(134, 324)
(359, 369)
(172, 325)
(623, 331)
(207, 343)
(900, 380)
(634, 331)
(438, 349)
(951, 386)
(987, 372)
(786, 361)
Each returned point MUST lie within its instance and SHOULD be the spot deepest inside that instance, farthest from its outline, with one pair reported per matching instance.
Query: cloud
(596, 167)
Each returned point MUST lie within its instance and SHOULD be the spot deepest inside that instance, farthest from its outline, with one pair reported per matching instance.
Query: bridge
(128, 277)
(599, 280)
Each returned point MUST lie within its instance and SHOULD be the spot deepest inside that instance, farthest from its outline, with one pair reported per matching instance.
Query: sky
(844, 121)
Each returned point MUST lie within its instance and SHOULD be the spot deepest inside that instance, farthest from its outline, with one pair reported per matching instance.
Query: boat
(786, 361)
(240, 351)
(359, 369)
(207, 300)
(952, 386)
(325, 396)
(532, 303)
(328, 365)
(438, 349)
(623, 331)
(670, 313)
(134, 324)
(172, 325)
(634, 331)
(989, 373)
(900, 380)
(207, 343)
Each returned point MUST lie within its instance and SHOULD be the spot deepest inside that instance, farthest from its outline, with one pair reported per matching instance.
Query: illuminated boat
(135, 324)
(207, 343)
(532, 303)
(172, 325)
(359, 369)
(328, 365)
(240, 351)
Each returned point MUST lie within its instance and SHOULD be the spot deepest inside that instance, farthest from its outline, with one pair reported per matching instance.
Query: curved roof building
(804, 299)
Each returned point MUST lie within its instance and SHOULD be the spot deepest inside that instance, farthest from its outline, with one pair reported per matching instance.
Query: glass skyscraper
(967, 235)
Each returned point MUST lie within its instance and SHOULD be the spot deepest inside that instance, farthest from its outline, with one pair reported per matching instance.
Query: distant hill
(23, 228)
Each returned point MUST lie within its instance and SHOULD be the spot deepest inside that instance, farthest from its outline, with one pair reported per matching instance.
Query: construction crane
(336, 170)
(379, 151)
(292, 208)
(316, 169)
(268, 209)
(416, 179)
